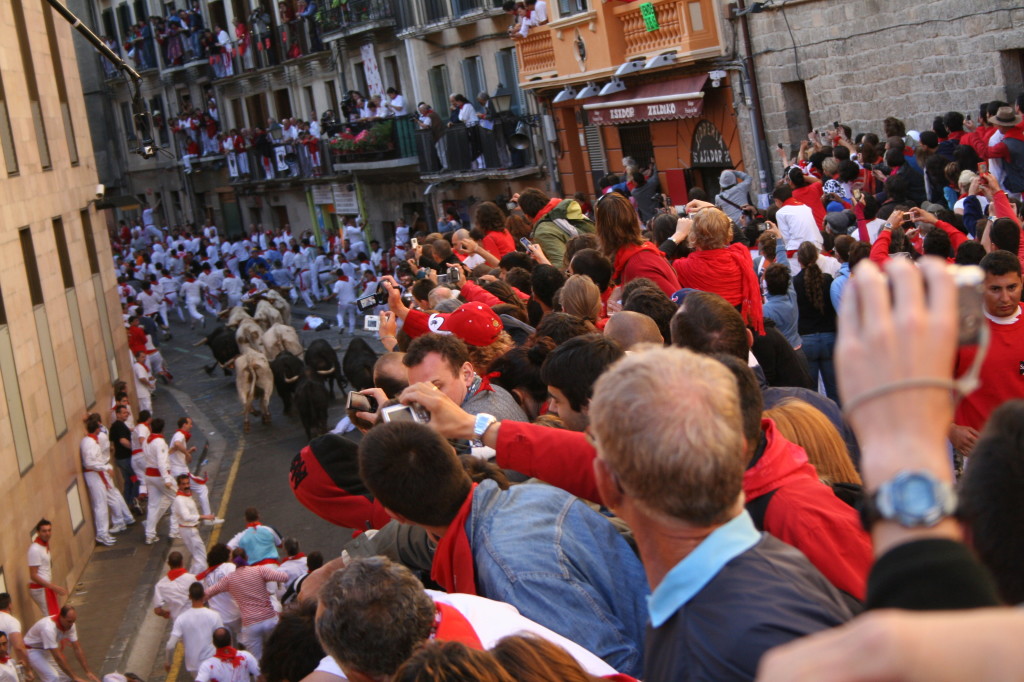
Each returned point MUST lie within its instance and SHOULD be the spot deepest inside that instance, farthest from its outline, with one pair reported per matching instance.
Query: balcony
(372, 145)
(476, 153)
(423, 17)
(594, 44)
(355, 17)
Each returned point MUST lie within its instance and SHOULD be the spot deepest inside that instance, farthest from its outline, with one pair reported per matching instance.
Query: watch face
(915, 497)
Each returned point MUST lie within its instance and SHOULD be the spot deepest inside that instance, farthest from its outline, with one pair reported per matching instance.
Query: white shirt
(345, 291)
(402, 234)
(216, 670)
(93, 457)
(9, 623)
(139, 435)
(194, 627)
(175, 458)
(46, 635)
(172, 595)
(874, 227)
(192, 291)
(8, 673)
(222, 603)
(493, 620)
(142, 375)
(232, 286)
(467, 114)
(150, 303)
(798, 226)
(39, 556)
(397, 106)
(184, 511)
(156, 457)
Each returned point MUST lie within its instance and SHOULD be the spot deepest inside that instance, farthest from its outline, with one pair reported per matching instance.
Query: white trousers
(160, 499)
(46, 668)
(253, 636)
(348, 312)
(98, 498)
(190, 306)
(139, 467)
(194, 544)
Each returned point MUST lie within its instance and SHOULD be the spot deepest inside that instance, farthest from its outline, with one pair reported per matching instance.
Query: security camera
(101, 190)
(716, 77)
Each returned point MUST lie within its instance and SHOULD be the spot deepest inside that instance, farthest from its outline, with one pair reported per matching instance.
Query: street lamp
(502, 97)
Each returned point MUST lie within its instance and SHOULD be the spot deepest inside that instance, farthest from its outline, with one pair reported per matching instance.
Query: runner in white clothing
(8, 673)
(194, 628)
(44, 593)
(46, 643)
(344, 290)
(232, 288)
(220, 566)
(192, 291)
(158, 478)
(228, 664)
(180, 457)
(170, 594)
(12, 626)
(107, 512)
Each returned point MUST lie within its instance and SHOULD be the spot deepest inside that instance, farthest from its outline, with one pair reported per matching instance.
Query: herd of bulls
(259, 344)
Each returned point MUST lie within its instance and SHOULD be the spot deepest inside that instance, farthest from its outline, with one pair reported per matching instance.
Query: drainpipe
(764, 163)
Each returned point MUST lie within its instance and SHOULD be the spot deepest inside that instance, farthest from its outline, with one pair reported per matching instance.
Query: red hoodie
(804, 512)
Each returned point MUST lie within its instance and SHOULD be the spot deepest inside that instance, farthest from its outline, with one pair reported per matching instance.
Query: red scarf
(175, 573)
(453, 559)
(229, 654)
(153, 436)
(792, 202)
(202, 576)
(727, 272)
(253, 524)
(94, 436)
(40, 542)
(4, 660)
(185, 493)
(187, 434)
(300, 555)
(56, 620)
(485, 381)
(544, 211)
(624, 253)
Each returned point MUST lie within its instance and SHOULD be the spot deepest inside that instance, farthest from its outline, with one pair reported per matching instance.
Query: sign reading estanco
(662, 111)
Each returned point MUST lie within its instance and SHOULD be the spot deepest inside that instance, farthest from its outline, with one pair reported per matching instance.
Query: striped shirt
(248, 587)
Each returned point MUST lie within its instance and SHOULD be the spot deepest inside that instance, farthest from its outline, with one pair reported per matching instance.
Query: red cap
(474, 323)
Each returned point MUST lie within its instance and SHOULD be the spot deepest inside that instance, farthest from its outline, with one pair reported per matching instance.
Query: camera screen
(367, 302)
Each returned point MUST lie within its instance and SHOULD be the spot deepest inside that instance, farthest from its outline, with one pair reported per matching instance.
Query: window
(109, 26)
(159, 116)
(75, 506)
(635, 139)
(332, 97)
(440, 88)
(798, 113)
(128, 122)
(1012, 62)
(62, 90)
(508, 77)
(310, 100)
(473, 77)
(28, 254)
(90, 243)
(237, 113)
(124, 21)
(436, 10)
(6, 137)
(282, 104)
(360, 72)
(392, 77)
(63, 258)
(32, 88)
(567, 8)
(256, 108)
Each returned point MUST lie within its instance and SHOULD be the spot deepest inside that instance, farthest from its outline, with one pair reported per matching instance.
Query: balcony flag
(650, 16)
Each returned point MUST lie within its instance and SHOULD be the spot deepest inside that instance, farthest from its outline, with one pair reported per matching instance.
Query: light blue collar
(700, 566)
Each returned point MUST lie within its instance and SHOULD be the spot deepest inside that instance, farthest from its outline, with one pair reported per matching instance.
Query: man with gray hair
(734, 194)
(673, 470)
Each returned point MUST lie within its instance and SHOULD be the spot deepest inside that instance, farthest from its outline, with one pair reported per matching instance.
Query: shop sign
(661, 111)
(709, 148)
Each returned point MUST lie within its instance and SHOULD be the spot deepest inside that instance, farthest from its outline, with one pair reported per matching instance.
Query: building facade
(61, 338)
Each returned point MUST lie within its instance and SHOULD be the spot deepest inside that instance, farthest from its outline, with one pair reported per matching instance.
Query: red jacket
(804, 512)
(632, 262)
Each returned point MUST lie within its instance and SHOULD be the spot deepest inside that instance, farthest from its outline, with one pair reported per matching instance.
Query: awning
(664, 101)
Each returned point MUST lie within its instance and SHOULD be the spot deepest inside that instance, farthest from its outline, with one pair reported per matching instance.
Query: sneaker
(108, 542)
(130, 522)
(152, 539)
(120, 528)
(213, 522)
(175, 536)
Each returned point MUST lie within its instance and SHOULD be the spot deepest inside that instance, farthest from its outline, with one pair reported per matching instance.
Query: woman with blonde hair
(806, 426)
(529, 658)
(619, 238)
(581, 297)
(720, 266)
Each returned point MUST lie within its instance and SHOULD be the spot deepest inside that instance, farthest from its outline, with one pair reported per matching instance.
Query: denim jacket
(562, 565)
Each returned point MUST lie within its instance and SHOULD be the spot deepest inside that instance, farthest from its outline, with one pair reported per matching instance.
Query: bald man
(630, 328)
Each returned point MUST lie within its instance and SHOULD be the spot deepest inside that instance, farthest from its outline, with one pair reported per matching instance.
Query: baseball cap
(474, 323)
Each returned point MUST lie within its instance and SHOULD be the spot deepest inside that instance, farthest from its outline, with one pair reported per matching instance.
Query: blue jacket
(563, 565)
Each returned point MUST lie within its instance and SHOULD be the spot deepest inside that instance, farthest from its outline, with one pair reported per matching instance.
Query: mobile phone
(404, 413)
(835, 124)
(982, 167)
(525, 242)
(371, 323)
(415, 243)
(360, 402)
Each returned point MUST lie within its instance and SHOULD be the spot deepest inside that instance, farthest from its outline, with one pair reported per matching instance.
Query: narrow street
(119, 630)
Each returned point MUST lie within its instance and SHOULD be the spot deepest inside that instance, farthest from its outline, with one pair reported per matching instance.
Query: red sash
(451, 626)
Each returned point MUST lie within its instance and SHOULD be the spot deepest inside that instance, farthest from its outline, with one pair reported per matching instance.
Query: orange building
(645, 80)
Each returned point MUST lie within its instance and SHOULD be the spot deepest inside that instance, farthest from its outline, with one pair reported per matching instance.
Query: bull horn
(291, 380)
(199, 343)
(325, 372)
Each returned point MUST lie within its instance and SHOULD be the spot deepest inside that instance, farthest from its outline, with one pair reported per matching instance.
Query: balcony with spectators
(347, 19)
(417, 18)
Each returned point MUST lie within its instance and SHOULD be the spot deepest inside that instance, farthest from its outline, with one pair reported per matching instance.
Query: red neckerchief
(451, 626)
(253, 524)
(342, 278)
(185, 493)
(4, 659)
(94, 436)
(453, 567)
(202, 576)
(544, 211)
(56, 620)
(40, 542)
(175, 573)
(188, 435)
(792, 202)
(300, 555)
(229, 654)
(485, 381)
(623, 255)
(153, 436)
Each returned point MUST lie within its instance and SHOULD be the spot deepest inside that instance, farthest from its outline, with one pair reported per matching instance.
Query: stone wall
(863, 60)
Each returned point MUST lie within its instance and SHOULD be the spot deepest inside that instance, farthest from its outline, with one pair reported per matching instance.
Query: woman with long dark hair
(817, 323)
(619, 238)
(491, 221)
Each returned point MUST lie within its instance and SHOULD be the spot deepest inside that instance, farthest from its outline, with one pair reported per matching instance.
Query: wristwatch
(887, 226)
(482, 423)
(913, 499)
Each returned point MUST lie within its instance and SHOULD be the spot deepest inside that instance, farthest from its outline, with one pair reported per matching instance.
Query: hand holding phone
(525, 242)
